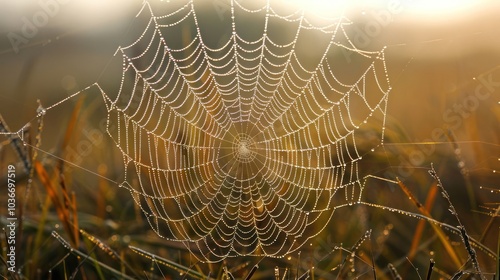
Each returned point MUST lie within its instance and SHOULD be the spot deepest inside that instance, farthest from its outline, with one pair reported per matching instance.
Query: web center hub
(244, 148)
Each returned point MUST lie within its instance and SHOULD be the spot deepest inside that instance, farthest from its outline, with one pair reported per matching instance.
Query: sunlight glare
(440, 7)
(321, 7)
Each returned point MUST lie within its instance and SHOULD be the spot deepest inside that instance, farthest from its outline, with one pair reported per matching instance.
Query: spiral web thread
(241, 145)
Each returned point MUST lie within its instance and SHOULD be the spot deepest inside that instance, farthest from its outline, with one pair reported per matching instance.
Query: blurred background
(443, 60)
(436, 55)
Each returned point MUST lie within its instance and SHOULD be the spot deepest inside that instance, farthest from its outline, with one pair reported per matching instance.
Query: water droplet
(41, 111)
(126, 238)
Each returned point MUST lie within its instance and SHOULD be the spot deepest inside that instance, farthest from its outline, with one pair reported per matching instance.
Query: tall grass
(84, 227)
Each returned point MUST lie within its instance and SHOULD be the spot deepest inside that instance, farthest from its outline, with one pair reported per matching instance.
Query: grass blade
(442, 236)
(431, 267)
(463, 232)
(62, 212)
(429, 202)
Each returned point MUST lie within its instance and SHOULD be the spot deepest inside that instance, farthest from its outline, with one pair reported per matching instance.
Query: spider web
(239, 148)
(242, 137)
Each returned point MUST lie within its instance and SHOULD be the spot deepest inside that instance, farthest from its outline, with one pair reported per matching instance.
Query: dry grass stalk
(64, 214)
(461, 227)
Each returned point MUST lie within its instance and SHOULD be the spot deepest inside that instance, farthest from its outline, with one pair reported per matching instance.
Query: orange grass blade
(74, 215)
(436, 228)
(429, 202)
(62, 212)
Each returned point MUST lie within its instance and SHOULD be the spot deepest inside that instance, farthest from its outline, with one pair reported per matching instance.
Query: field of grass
(430, 202)
(76, 224)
